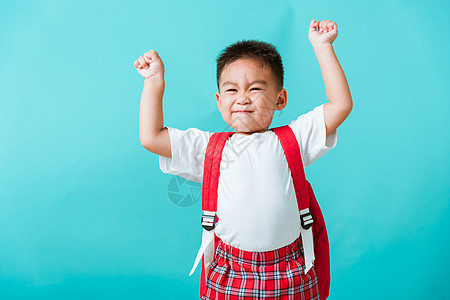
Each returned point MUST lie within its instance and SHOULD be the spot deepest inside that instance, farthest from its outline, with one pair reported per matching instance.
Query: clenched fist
(327, 32)
(150, 65)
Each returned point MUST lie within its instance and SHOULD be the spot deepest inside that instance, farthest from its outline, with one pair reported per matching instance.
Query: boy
(256, 203)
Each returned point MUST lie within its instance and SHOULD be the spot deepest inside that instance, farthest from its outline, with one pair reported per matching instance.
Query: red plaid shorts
(242, 275)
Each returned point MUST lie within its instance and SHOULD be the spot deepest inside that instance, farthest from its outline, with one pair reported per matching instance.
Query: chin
(243, 129)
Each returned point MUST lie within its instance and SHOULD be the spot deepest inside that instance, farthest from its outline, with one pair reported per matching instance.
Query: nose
(243, 99)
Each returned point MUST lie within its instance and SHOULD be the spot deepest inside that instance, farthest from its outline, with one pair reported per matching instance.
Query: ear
(218, 100)
(281, 99)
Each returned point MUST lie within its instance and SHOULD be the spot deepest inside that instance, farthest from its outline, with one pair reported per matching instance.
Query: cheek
(227, 102)
(263, 101)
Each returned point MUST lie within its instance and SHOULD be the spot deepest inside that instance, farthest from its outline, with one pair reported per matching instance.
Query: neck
(250, 133)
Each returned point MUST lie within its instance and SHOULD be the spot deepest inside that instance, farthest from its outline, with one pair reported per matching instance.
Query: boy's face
(245, 86)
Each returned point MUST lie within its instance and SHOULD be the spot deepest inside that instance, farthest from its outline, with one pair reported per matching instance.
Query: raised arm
(153, 135)
(338, 92)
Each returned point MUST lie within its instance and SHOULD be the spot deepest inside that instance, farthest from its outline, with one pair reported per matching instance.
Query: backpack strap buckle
(209, 220)
(306, 218)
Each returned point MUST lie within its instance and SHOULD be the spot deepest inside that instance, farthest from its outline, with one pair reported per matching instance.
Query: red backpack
(313, 230)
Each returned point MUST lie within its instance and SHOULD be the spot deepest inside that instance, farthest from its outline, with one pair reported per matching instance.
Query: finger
(333, 25)
(335, 28)
(320, 25)
(323, 25)
(139, 65)
(148, 56)
(330, 26)
(143, 62)
(316, 23)
(153, 55)
(313, 25)
(136, 64)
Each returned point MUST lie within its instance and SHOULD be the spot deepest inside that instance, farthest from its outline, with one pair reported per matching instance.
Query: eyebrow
(255, 81)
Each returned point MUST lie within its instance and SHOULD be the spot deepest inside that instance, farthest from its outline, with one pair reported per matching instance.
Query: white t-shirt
(256, 203)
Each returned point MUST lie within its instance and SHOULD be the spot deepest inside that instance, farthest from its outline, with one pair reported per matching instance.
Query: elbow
(350, 104)
(350, 107)
(147, 140)
(151, 143)
(347, 107)
(146, 143)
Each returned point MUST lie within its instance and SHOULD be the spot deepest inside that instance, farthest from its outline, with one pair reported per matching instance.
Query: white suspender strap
(207, 246)
(308, 243)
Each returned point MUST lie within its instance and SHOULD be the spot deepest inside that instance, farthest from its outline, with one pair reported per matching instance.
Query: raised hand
(327, 33)
(150, 65)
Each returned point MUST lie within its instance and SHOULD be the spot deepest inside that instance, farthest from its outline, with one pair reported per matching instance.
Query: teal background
(84, 208)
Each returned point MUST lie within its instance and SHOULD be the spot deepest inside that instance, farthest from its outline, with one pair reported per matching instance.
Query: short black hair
(261, 52)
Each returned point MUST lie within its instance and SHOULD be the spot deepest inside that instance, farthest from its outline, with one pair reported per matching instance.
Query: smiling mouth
(243, 111)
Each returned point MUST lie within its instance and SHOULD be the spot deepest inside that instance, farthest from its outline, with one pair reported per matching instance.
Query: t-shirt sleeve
(310, 131)
(188, 149)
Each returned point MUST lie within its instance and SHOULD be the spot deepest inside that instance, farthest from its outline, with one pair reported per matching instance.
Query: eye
(255, 89)
(230, 90)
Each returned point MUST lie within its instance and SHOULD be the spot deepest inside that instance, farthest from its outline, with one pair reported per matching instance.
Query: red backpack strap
(292, 151)
(211, 172)
(312, 215)
(213, 157)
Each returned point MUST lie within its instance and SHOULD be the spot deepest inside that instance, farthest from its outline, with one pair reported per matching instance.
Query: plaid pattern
(242, 275)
